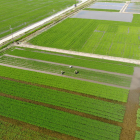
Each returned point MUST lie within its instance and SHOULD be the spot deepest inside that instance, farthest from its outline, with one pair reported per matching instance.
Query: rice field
(55, 96)
(18, 14)
(113, 38)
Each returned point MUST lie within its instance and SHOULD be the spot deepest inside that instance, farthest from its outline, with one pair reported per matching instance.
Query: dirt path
(115, 73)
(63, 109)
(126, 60)
(64, 90)
(129, 123)
(81, 79)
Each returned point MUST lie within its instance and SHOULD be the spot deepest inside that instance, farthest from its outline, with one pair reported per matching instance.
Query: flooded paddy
(104, 16)
(107, 5)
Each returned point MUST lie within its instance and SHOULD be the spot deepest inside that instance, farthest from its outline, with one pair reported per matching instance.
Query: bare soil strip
(63, 109)
(81, 79)
(115, 73)
(38, 129)
(64, 90)
(129, 123)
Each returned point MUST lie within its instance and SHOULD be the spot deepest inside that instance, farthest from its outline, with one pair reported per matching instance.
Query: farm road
(129, 123)
(92, 81)
(115, 73)
(126, 60)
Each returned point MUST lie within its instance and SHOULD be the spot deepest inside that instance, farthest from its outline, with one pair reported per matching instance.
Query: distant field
(20, 13)
(120, 39)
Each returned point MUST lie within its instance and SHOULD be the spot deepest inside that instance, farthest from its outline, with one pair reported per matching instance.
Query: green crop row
(59, 121)
(85, 74)
(92, 39)
(138, 118)
(137, 136)
(106, 10)
(10, 131)
(66, 83)
(75, 102)
(112, 66)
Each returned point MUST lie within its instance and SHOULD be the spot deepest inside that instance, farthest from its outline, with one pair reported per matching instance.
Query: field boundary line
(65, 90)
(55, 74)
(63, 109)
(126, 60)
(55, 63)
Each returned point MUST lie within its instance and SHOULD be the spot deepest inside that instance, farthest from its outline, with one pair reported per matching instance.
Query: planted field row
(66, 83)
(138, 118)
(107, 10)
(90, 106)
(137, 137)
(85, 74)
(113, 38)
(10, 131)
(94, 63)
(58, 121)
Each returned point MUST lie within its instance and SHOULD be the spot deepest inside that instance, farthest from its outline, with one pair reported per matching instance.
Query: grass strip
(106, 10)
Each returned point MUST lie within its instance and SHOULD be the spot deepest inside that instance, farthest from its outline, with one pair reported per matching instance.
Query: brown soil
(63, 109)
(64, 90)
(129, 123)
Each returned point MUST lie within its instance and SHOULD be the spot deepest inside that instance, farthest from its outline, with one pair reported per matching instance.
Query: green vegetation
(137, 137)
(90, 106)
(106, 10)
(138, 118)
(10, 131)
(27, 12)
(101, 64)
(113, 38)
(59, 121)
(85, 74)
(66, 83)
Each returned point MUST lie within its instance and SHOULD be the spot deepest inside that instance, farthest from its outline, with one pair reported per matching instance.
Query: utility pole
(11, 29)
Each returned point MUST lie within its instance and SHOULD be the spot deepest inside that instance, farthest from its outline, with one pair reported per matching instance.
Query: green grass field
(19, 14)
(119, 39)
